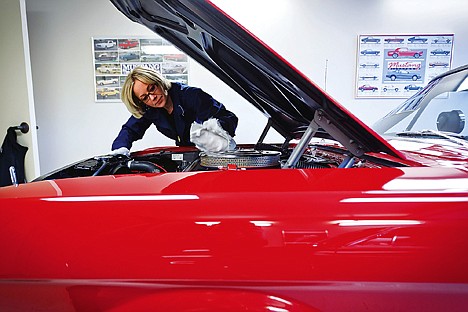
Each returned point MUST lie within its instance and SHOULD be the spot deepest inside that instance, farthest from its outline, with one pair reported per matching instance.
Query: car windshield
(437, 111)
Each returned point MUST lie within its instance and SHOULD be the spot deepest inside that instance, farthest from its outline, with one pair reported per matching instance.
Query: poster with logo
(115, 58)
(397, 66)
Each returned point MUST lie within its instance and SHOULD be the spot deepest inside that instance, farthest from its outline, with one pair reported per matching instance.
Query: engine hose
(145, 166)
(97, 172)
(310, 165)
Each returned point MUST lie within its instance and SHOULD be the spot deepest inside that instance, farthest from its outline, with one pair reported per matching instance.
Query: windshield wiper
(452, 137)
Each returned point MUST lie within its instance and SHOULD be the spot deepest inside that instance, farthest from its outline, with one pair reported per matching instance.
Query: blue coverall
(190, 104)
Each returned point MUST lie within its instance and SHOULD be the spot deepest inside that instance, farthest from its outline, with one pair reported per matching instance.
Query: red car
(399, 52)
(175, 57)
(338, 216)
(127, 44)
(368, 88)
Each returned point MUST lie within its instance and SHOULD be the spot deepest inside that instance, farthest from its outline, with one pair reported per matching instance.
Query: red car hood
(251, 68)
(433, 153)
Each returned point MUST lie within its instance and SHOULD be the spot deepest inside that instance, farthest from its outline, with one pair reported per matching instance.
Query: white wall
(306, 32)
(309, 32)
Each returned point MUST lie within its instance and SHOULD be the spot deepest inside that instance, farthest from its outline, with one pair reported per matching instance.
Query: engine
(314, 157)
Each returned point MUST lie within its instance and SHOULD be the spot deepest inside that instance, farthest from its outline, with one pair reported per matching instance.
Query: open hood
(288, 98)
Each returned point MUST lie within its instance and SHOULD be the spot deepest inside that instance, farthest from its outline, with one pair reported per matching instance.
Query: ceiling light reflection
(376, 222)
(428, 199)
(208, 223)
(186, 256)
(262, 223)
(121, 198)
(275, 309)
(280, 300)
(438, 185)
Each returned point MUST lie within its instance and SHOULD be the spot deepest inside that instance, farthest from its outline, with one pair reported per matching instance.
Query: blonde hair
(147, 76)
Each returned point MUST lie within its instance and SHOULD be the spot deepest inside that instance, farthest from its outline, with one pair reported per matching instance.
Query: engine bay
(245, 158)
(317, 148)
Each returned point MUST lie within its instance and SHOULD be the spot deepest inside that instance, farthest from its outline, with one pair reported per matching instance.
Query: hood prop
(302, 145)
(321, 121)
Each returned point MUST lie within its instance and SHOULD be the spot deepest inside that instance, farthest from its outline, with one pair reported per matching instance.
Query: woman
(173, 108)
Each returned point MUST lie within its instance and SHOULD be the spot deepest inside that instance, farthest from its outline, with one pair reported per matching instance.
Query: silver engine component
(241, 159)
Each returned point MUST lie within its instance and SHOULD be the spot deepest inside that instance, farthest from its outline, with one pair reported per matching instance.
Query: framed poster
(115, 58)
(397, 66)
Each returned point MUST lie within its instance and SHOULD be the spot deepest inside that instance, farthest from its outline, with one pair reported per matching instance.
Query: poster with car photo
(114, 58)
(397, 66)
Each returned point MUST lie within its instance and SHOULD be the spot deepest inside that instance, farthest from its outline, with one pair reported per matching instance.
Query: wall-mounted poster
(114, 58)
(397, 66)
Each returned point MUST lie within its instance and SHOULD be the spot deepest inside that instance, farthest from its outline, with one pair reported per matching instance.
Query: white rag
(210, 137)
(120, 151)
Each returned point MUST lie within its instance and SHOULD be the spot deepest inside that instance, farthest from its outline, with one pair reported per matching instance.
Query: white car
(103, 82)
(105, 45)
(108, 69)
(441, 40)
(390, 88)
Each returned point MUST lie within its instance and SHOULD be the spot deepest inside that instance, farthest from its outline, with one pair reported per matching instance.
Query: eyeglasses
(152, 88)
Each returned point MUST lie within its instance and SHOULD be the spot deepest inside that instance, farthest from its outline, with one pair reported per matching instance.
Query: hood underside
(247, 65)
